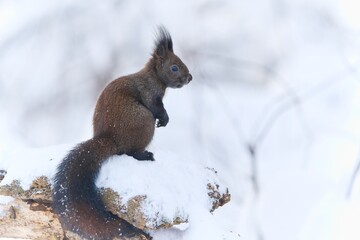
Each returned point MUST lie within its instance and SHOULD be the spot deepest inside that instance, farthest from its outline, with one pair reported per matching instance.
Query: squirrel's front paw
(162, 122)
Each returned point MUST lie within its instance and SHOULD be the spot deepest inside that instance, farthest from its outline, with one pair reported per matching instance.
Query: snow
(174, 186)
(333, 212)
(27, 163)
(3, 201)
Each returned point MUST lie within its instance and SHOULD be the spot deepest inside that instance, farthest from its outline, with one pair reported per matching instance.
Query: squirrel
(126, 113)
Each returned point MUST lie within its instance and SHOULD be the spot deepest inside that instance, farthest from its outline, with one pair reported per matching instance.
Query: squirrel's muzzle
(189, 78)
(183, 81)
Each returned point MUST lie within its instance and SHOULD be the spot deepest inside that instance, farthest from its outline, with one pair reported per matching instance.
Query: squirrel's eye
(174, 68)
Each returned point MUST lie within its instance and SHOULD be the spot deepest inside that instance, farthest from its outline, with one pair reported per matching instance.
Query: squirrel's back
(120, 114)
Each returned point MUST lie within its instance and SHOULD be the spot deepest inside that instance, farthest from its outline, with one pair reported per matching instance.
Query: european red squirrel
(126, 113)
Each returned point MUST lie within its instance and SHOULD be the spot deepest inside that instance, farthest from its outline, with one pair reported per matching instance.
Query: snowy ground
(174, 187)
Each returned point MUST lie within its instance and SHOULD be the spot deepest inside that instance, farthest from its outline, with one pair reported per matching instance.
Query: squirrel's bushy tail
(77, 200)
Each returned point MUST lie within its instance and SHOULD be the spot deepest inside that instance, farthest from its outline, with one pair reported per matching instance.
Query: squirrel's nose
(189, 77)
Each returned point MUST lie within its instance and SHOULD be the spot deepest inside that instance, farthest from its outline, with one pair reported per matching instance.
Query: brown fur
(128, 107)
(124, 123)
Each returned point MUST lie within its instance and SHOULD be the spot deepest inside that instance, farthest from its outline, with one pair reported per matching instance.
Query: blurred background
(274, 105)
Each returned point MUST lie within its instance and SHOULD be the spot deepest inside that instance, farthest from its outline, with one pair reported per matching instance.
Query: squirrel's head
(169, 67)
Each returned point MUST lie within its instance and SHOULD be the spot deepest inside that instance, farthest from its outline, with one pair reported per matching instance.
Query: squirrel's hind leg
(142, 156)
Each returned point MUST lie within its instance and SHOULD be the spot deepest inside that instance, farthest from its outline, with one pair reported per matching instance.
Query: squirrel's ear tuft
(163, 42)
